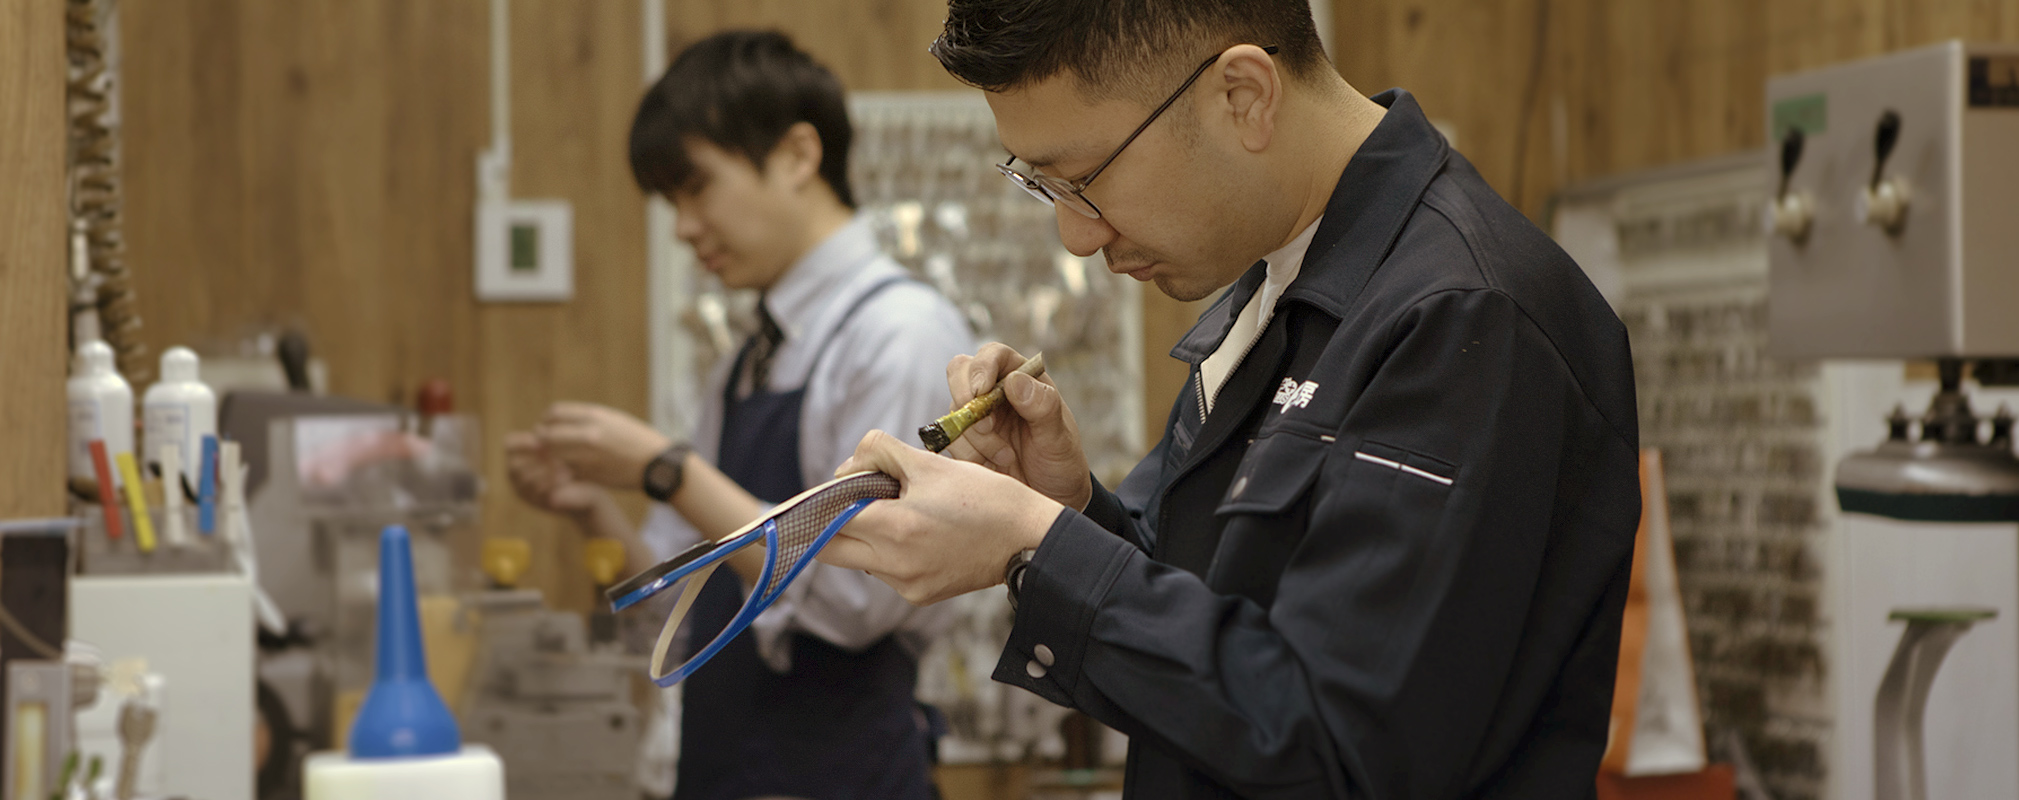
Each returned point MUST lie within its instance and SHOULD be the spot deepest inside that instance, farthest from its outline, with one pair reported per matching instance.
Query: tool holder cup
(102, 553)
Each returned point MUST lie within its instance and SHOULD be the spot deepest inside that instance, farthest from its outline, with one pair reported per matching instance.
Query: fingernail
(1026, 389)
(979, 384)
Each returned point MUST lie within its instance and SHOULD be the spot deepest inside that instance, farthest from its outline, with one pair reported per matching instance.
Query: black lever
(1889, 135)
(293, 353)
(1791, 154)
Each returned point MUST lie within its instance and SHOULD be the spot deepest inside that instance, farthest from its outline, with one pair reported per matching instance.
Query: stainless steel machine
(1895, 238)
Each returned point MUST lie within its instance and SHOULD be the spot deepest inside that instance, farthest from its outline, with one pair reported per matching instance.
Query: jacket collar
(1376, 195)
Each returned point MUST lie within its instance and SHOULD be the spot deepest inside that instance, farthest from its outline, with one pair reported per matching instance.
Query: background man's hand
(1034, 440)
(600, 444)
(952, 529)
(544, 482)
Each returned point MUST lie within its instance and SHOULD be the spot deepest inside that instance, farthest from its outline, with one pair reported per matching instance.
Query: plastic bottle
(179, 410)
(402, 714)
(101, 407)
(404, 744)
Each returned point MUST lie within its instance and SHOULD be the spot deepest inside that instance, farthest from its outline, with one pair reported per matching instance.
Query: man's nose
(1083, 235)
(687, 227)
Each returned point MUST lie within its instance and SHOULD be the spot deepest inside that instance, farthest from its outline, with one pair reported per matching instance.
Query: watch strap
(673, 458)
(1013, 574)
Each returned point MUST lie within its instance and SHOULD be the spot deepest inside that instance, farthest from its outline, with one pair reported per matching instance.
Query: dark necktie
(763, 347)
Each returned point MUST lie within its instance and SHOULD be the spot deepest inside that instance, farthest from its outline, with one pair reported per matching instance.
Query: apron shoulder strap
(860, 301)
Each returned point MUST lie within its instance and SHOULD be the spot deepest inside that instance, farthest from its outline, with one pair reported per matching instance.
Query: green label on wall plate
(1809, 113)
(525, 248)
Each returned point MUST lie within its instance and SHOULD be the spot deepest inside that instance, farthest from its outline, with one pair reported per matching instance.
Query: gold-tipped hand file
(943, 431)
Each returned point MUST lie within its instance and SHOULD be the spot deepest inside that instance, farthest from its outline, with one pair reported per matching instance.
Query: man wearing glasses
(1383, 545)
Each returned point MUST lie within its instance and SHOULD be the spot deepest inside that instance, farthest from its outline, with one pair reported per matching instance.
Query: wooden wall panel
(32, 257)
(1544, 93)
(313, 164)
(872, 45)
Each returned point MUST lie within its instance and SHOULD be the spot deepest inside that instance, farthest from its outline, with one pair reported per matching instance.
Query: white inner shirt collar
(1283, 267)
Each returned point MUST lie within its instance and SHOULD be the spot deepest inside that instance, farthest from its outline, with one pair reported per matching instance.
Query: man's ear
(795, 162)
(1249, 86)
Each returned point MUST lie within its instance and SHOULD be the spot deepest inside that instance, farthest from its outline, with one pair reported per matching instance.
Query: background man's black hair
(1117, 48)
(741, 91)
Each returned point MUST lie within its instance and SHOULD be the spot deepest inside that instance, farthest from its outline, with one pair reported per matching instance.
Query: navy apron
(839, 725)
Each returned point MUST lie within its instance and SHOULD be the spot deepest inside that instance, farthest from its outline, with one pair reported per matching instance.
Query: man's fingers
(521, 442)
(958, 385)
(564, 411)
(963, 449)
(989, 365)
(877, 452)
(1036, 401)
(565, 436)
(847, 552)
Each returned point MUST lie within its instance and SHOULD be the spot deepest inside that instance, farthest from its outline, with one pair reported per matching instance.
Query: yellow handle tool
(136, 496)
(941, 433)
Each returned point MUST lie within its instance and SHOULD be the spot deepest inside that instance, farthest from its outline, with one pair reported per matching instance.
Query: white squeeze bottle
(179, 410)
(101, 407)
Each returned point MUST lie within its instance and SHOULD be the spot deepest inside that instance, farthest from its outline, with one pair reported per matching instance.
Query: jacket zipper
(1230, 373)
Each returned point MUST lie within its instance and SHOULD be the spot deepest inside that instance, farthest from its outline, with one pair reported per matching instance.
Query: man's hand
(600, 444)
(544, 482)
(1035, 440)
(951, 531)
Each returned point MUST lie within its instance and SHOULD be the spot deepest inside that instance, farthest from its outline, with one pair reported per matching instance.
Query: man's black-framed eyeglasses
(1072, 193)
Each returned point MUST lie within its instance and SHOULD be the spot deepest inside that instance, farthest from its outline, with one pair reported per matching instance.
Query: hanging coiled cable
(103, 304)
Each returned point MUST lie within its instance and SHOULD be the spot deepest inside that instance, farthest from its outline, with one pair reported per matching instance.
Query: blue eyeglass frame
(702, 558)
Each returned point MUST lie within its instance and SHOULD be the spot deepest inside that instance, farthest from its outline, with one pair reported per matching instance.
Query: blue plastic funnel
(402, 714)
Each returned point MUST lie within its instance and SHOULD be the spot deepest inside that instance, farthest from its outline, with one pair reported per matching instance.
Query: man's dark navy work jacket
(1391, 562)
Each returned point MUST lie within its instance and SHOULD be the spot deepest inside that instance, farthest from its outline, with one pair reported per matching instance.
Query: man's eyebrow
(1048, 158)
(1038, 161)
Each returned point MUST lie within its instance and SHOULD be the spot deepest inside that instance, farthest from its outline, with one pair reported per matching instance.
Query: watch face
(659, 478)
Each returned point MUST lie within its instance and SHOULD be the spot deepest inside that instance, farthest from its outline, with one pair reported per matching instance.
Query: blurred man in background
(748, 137)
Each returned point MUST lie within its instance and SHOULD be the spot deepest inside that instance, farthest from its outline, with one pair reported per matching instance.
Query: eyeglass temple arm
(1084, 182)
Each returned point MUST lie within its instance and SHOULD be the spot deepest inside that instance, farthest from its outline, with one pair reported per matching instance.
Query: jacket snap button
(1044, 655)
(1240, 486)
(1034, 669)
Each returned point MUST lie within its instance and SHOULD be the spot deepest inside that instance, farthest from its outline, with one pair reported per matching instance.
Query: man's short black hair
(1116, 48)
(741, 91)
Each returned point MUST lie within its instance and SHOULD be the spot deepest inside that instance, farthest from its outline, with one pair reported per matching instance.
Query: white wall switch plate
(525, 251)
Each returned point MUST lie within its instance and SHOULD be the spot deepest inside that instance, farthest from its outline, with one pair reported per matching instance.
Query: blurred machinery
(1898, 177)
(548, 691)
(550, 694)
(329, 474)
(1893, 238)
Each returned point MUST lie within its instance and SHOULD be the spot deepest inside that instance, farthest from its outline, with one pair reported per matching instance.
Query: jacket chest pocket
(1274, 474)
(1266, 511)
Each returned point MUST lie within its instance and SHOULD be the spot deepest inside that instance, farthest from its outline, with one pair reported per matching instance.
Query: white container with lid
(101, 407)
(179, 410)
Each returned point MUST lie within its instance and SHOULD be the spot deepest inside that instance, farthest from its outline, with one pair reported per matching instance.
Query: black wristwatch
(665, 471)
(1013, 574)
